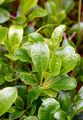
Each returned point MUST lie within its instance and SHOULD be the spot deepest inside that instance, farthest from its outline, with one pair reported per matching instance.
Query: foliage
(36, 62)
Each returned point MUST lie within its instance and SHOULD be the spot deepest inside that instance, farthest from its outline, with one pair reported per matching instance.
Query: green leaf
(57, 36)
(27, 78)
(68, 5)
(11, 110)
(68, 57)
(55, 65)
(22, 55)
(63, 83)
(19, 103)
(7, 98)
(36, 13)
(4, 15)
(65, 101)
(15, 36)
(36, 37)
(50, 8)
(81, 93)
(3, 33)
(11, 57)
(15, 115)
(27, 5)
(79, 107)
(2, 79)
(60, 115)
(31, 118)
(27, 46)
(40, 56)
(51, 93)
(33, 94)
(46, 110)
(22, 91)
(1, 1)
(11, 76)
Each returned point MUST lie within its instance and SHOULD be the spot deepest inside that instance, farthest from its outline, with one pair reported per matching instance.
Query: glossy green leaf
(55, 65)
(79, 106)
(7, 98)
(27, 5)
(22, 91)
(40, 56)
(63, 83)
(33, 94)
(22, 55)
(31, 118)
(3, 33)
(37, 13)
(27, 78)
(68, 57)
(4, 15)
(46, 110)
(36, 37)
(60, 115)
(57, 36)
(65, 101)
(15, 36)
(81, 93)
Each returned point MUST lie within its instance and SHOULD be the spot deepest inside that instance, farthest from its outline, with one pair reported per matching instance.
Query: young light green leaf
(27, 46)
(60, 115)
(36, 13)
(46, 110)
(33, 94)
(68, 57)
(4, 15)
(31, 118)
(35, 37)
(55, 65)
(15, 36)
(1, 1)
(11, 57)
(57, 36)
(3, 34)
(63, 83)
(51, 93)
(27, 78)
(27, 5)
(7, 98)
(40, 56)
(22, 55)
